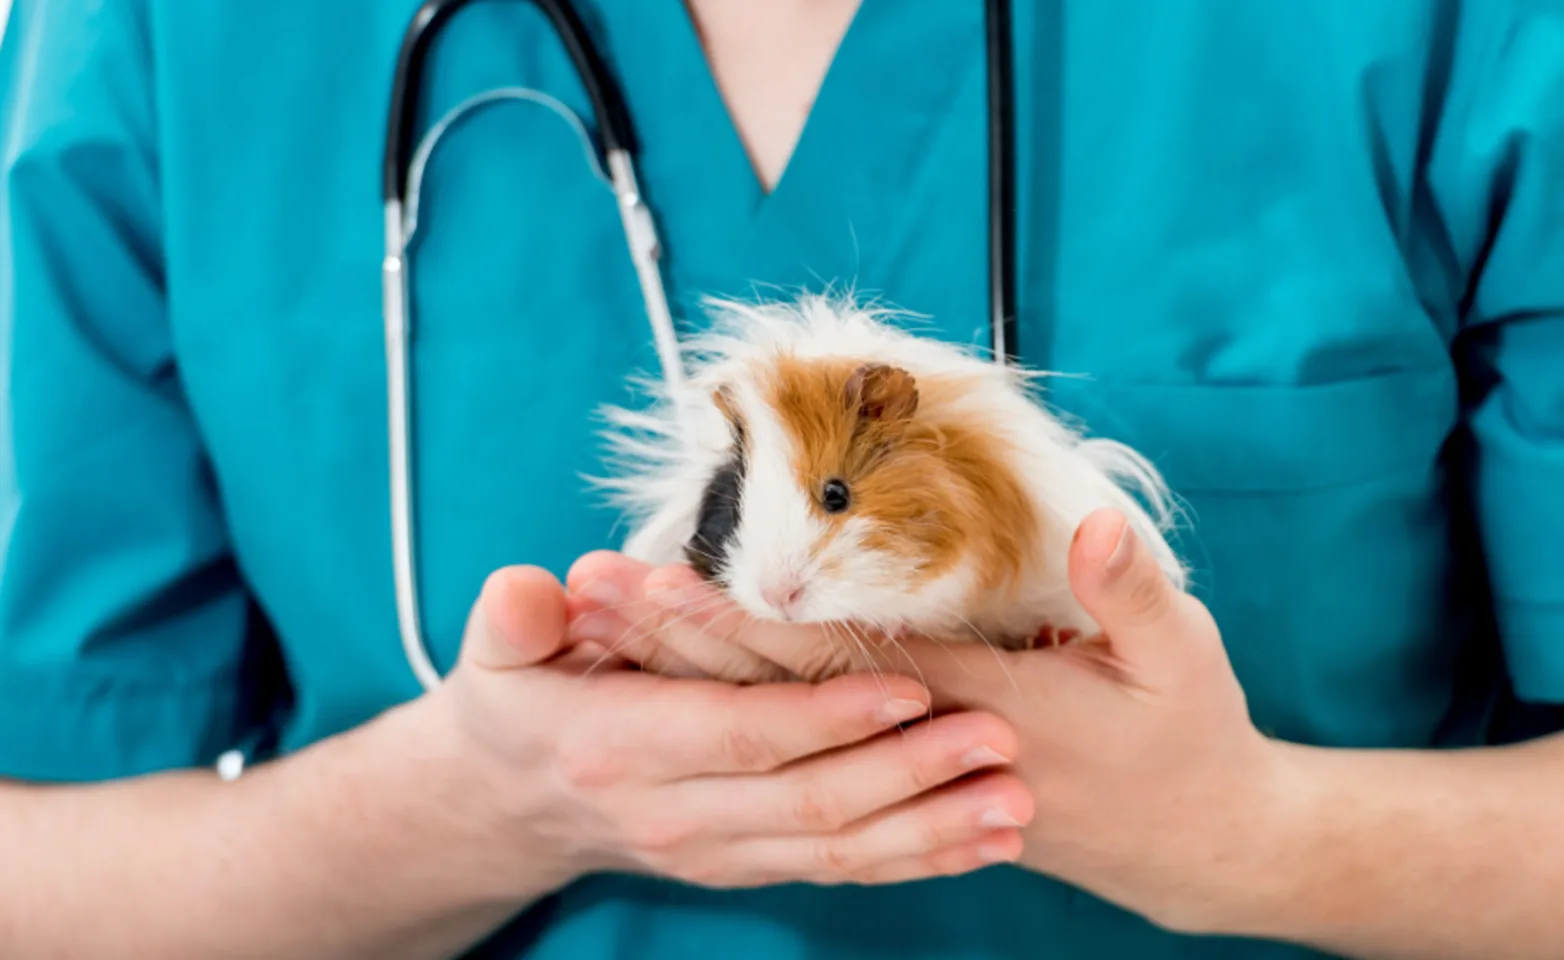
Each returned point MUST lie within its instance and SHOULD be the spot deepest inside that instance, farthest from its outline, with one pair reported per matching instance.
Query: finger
(604, 578)
(955, 816)
(828, 793)
(603, 588)
(678, 729)
(518, 620)
(622, 641)
(999, 846)
(1120, 584)
(968, 676)
(609, 594)
(698, 613)
(996, 846)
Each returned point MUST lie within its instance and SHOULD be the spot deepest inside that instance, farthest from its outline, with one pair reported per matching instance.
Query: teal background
(1308, 257)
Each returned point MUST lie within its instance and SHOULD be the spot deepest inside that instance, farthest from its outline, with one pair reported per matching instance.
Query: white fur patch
(778, 532)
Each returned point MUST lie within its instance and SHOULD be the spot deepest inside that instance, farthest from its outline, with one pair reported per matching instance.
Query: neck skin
(768, 61)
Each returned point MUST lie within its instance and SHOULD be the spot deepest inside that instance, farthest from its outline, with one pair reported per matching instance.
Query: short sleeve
(1496, 175)
(127, 643)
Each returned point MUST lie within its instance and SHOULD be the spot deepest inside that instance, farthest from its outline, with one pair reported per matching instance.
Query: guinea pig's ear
(882, 392)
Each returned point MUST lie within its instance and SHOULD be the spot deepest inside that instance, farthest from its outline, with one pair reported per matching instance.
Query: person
(1307, 257)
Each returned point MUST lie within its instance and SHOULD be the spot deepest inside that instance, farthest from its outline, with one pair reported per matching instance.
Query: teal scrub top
(1309, 256)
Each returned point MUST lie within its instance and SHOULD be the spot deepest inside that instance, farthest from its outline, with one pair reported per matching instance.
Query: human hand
(1153, 788)
(563, 766)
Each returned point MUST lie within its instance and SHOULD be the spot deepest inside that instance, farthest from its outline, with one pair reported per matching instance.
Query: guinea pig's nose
(781, 595)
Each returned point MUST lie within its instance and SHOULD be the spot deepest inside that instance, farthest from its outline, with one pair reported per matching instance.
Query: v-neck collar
(884, 102)
(883, 97)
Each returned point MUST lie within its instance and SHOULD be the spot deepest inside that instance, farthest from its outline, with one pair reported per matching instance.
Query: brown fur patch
(933, 480)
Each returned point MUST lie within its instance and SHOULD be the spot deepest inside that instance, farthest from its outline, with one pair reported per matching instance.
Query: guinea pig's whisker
(859, 638)
(716, 594)
(625, 640)
(595, 664)
(700, 609)
(861, 631)
(705, 605)
(973, 627)
(839, 631)
(608, 654)
(617, 607)
(631, 635)
(715, 627)
(840, 641)
(988, 645)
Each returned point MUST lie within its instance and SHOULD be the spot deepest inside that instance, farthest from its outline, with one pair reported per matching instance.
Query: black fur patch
(718, 519)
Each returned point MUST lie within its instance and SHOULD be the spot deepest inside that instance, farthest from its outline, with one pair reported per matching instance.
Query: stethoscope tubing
(1001, 179)
(619, 149)
(608, 103)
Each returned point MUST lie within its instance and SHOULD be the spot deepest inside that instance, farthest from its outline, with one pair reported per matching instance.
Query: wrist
(1261, 850)
(457, 806)
(1294, 837)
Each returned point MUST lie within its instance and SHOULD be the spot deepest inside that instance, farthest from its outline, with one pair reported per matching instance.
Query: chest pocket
(1315, 523)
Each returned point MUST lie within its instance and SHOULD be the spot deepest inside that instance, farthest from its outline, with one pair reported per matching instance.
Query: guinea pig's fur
(822, 464)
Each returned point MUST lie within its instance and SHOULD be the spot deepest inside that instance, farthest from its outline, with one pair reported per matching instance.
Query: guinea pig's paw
(1046, 636)
(1051, 636)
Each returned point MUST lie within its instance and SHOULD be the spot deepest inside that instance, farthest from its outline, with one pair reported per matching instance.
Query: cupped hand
(588, 766)
(1153, 787)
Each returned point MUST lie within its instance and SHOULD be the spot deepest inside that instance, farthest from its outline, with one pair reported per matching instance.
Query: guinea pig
(822, 464)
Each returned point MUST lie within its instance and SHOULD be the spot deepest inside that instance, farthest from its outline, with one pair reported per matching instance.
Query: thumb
(1119, 582)
(518, 621)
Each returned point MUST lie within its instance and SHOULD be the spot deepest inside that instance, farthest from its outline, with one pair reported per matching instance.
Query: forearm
(1430, 854)
(331, 853)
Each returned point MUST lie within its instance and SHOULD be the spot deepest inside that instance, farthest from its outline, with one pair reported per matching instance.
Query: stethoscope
(406, 156)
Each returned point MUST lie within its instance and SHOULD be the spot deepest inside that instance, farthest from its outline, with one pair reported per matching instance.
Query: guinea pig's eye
(834, 496)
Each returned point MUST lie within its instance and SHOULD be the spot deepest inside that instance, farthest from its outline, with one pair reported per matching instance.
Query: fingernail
(604, 592)
(1121, 551)
(997, 819)
(598, 628)
(993, 853)
(895, 711)
(984, 757)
